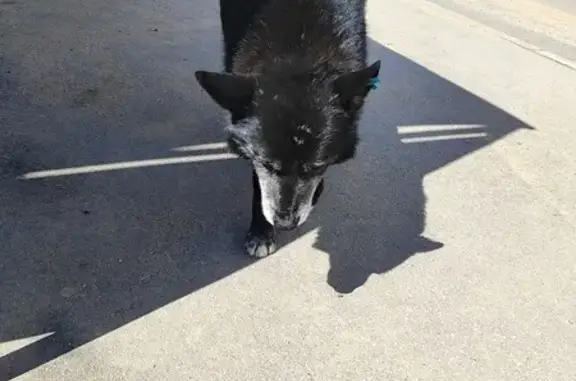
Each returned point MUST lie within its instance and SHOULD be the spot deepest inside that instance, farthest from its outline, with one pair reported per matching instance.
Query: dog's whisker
(126, 165)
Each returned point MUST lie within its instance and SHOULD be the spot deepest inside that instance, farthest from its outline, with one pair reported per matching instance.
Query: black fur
(295, 82)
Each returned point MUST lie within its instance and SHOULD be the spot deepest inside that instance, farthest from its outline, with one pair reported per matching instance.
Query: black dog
(295, 83)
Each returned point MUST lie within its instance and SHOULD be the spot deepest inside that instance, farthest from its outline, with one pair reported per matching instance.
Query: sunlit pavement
(444, 251)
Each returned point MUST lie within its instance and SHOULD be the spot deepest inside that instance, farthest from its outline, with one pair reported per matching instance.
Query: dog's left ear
(232, 92)
(353, 87)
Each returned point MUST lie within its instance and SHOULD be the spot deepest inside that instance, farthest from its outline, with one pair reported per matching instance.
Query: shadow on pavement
(84, 254)
(416, 123)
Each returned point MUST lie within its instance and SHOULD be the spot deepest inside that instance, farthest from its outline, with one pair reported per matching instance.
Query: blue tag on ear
(374, 83)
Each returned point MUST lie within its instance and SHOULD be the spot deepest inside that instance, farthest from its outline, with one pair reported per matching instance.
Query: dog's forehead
(293, 125)
(294, 116)
(291, 144)
(297, 90)
(292, 108)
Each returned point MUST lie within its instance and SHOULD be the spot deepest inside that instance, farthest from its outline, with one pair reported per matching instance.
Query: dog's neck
(311, 36)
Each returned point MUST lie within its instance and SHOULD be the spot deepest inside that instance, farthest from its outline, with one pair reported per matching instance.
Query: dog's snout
(285, 220)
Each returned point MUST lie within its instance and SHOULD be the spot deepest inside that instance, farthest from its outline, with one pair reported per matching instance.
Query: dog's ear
(232, 92)
(353, 87)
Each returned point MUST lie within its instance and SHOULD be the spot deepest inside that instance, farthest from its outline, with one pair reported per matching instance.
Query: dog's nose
(285, 221)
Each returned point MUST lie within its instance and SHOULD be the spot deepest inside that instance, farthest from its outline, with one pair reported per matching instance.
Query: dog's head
(291, 128)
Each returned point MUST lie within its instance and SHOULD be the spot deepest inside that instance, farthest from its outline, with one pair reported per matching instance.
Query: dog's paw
(261, 244)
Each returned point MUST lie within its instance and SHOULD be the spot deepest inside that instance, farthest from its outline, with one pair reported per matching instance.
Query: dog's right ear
(230, 91)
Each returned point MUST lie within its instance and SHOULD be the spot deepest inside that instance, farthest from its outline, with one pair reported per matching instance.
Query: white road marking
(125, 165)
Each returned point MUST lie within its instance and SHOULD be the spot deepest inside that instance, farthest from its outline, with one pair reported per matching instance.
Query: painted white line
(126, 165)
(427, 139)
(456, 16)
(13, 345)
(201, 147)
(535, 49)
(423, 128)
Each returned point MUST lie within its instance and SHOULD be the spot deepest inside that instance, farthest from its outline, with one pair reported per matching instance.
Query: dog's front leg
(261, 240)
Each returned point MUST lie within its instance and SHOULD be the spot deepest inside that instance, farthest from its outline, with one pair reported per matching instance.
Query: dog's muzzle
(286, 221)
(287, 202)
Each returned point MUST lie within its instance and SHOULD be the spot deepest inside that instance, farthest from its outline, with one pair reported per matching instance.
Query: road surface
(444, 251)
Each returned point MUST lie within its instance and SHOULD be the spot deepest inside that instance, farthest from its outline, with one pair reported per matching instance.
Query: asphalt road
(444, 251)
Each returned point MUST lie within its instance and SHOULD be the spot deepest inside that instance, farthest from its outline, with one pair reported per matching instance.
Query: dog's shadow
(373, 215)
